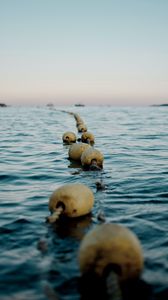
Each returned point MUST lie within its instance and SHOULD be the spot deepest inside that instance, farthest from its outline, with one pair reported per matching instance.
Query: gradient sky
(89, 51)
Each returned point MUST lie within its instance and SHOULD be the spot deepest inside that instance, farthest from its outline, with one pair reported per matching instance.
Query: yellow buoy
(87, 137)
(78, 123)
(77, 117)
(76, 150)
(92, 158)
(72, 200)
(111, 246)
(69, 137)
(82, 127)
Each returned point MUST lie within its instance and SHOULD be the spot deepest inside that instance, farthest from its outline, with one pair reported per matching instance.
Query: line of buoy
(112, 252)
(91, 159)
(71, 200)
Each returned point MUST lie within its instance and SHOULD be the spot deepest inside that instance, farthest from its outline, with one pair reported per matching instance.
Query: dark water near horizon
(33, 163)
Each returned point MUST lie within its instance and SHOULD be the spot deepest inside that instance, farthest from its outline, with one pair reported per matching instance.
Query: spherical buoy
(87, 137)
(82, 127)
(92, 158)
(111, 246)
(76, 150)
(72, 200)
(69, 137)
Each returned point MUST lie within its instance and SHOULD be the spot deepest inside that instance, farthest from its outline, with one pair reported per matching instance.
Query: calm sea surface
(39, 261)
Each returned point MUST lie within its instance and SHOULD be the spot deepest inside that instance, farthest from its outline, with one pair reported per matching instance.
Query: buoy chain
(93, 165)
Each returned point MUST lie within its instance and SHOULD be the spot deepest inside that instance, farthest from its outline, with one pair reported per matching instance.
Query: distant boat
(50, 105)
(79, 104)
(164, 104)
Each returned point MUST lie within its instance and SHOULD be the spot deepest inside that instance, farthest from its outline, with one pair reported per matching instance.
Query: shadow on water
(72, 227)
(74, 164)
(92, 287)
(62, 240)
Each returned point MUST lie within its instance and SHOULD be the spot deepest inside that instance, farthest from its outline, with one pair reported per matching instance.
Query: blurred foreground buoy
(113, 252)
(116, 245)
(72, 200)
(76, 150)
(69, 137)
(92, 159)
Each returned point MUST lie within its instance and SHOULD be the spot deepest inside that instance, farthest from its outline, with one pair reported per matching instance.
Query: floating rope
(55, 216)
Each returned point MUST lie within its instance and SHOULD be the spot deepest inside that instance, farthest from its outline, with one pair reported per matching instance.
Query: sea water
(38, 261)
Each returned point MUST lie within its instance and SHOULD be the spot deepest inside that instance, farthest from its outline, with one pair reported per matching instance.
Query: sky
(84, 51)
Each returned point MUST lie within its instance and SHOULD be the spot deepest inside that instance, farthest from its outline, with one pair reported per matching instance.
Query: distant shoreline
(3, 105)
(164, 104)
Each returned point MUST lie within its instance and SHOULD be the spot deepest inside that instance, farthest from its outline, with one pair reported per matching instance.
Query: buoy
(92, 159)
(87, 137)
(76, 150)
(72, 200)
(111, 252)
(82, 127)
(111, 245)
(69, 137)
(78, 123)
(76, 116)
(78, 119)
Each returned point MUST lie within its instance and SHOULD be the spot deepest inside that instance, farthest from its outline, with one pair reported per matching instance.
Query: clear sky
(89, 51)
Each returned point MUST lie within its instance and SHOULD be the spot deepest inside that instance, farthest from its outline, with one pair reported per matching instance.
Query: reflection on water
(39, 260)
(74, 164)
(72, 227)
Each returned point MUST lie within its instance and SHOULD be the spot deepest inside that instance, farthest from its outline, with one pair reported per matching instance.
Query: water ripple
(34, 162)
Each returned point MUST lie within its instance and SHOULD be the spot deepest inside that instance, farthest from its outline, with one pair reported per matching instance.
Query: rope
(55, 216)
(100, 186)
(112, 287)
(94, 166)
